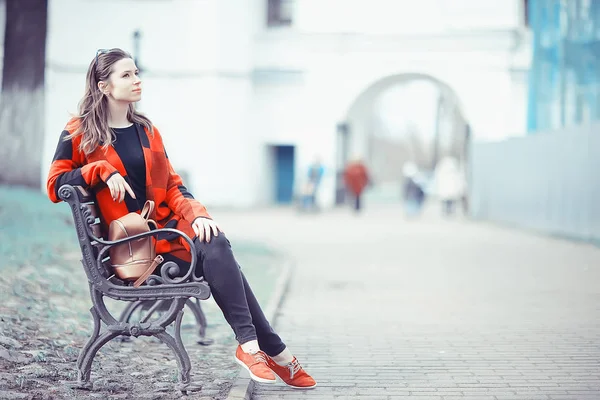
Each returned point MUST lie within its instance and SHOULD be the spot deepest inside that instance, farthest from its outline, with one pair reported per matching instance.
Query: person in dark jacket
(412, 193)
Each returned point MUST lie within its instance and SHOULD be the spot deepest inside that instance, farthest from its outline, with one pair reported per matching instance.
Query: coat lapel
(145, 141)
(113, 158)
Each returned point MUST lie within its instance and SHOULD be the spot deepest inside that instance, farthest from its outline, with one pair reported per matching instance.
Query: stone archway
(357, 135)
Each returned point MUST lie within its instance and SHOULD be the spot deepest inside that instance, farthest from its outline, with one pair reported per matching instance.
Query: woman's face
(124, 83)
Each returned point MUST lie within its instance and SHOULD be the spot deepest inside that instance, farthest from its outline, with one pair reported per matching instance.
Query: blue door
(284, 174)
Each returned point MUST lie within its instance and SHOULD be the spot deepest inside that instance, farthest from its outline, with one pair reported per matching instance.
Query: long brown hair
(93, 107)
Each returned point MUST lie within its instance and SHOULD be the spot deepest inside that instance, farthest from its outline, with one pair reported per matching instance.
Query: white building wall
(222, 87)
(409, 17)
(197, 81)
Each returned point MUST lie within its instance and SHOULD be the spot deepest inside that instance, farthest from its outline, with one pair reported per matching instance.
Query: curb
(243, 386)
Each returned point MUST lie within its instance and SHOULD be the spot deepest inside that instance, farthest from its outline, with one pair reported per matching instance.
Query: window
(279, 12)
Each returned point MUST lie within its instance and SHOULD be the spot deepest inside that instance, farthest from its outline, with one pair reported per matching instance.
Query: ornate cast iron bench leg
(86, 355)
(183, 359)
(193, 305)
(156, 328)
(127, 313)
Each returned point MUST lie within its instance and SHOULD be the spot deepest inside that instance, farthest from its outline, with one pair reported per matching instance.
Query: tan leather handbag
(134, 260)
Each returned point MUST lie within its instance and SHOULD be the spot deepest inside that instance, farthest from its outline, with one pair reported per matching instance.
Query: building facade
(564, 88)
(550, 184)
(247, 92)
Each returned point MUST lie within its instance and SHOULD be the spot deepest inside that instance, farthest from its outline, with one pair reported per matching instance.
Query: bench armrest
(169, 270)
(83, 206)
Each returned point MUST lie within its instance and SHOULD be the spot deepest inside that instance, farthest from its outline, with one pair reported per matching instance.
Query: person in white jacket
(449, 183)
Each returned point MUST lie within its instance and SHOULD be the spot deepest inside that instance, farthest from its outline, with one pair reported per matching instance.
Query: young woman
(118, 153)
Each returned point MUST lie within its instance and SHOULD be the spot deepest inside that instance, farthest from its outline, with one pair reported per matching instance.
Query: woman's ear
(103, 87)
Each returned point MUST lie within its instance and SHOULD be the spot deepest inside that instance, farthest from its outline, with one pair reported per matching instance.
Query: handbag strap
(147, 210)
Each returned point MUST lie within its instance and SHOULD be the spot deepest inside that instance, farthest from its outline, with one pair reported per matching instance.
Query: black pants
(357, 202)
(233, 295)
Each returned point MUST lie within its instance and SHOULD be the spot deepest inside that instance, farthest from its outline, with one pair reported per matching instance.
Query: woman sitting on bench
(117, 152)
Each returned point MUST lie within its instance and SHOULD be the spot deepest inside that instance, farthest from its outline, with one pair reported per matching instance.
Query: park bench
(163, 296)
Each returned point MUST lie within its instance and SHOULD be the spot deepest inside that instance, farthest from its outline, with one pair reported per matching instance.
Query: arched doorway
(404, 117)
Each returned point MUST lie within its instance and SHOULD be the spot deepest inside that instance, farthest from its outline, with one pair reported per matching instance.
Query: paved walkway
(384, 308)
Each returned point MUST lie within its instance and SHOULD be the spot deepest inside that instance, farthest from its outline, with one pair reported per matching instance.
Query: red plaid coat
(175, 206)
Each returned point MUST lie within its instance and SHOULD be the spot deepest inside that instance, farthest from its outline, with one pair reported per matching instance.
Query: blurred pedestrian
(309, 194)
(413, 194)
(449, 184)
(356, 179)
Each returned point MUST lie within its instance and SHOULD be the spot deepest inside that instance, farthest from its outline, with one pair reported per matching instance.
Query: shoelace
(260, 357)
(294, 367)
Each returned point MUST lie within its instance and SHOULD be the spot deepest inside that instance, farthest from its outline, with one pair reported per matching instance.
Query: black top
(129, 148)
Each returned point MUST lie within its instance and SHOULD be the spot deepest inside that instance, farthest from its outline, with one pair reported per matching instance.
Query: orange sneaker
(292, 374)
(256, 365)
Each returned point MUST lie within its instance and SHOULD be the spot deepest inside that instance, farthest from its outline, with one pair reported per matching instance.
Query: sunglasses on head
(101, 51)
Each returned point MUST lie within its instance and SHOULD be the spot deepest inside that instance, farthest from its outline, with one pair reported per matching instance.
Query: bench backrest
(88, 225)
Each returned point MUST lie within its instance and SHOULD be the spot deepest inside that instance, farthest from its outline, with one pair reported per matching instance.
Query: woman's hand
(118, 186)
(203, 227)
